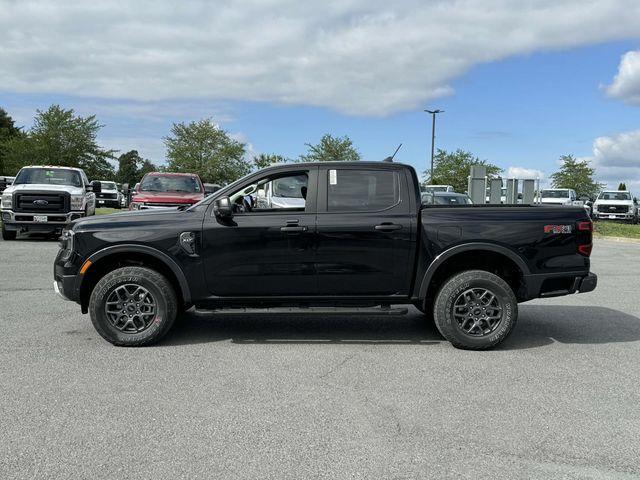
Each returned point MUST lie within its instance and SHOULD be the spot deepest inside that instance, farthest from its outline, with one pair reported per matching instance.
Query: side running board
(307, 311)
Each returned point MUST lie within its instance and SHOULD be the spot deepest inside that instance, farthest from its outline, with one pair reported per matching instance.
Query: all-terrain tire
(8, 234)
(125, 279)
(454, 292)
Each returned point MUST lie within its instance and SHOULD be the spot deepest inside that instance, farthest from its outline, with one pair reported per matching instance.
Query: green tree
(577, 175)
(204, 148)
(132, 167)
(265, 160)
(8, 131)
(453, 168)
(331, 149)
(622, 186)
(59, 137)
(147, 167)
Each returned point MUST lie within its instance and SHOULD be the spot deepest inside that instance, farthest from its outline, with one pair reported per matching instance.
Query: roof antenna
(390, 159)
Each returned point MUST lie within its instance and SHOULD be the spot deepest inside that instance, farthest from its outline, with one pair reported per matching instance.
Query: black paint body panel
(340, 258)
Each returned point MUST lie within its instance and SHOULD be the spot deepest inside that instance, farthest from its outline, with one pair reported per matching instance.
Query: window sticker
(333, 177)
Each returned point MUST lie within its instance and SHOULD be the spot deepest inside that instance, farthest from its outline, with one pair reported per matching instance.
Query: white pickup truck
(46, 198)
(616, 205)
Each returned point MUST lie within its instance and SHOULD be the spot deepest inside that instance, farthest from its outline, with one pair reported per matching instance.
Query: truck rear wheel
(475, 310)
(8, 234)
(133, 306)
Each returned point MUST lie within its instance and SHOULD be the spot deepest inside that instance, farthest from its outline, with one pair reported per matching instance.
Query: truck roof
(63, 167)
(358, 163)
(172, 174)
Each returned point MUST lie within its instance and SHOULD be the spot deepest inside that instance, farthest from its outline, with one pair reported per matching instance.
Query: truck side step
(307, 311)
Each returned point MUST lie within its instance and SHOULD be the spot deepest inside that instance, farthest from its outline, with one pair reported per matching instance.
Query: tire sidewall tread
(159, 287)
(450, 291)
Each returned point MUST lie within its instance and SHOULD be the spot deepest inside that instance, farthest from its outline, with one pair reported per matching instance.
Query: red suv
(161, 190)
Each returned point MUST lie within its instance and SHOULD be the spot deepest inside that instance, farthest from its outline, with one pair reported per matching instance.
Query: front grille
(158, 204)
(107, 195)
(41, 202)
(613, 208)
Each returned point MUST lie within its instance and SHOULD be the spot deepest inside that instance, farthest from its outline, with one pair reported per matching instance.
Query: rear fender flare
(476, 246)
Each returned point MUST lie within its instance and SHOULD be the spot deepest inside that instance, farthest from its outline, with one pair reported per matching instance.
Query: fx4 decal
(558, 228)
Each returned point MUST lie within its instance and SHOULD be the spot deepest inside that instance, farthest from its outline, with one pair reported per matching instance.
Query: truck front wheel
(133, 306)
(475, 310)
(8, 234)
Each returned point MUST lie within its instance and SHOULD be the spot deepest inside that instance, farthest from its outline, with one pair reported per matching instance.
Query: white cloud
(616, 159)
(626, 84)
(369, 57)
(524, 173)
(151, 148)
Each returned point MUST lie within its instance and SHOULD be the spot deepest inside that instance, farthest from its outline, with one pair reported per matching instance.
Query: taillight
(585, 226)
(584, 238)
(585, 249)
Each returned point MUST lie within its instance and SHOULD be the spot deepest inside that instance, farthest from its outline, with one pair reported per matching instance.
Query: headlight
(631, 208)
(7, 201)
(66, 242)
(595, 208)
(77, 202)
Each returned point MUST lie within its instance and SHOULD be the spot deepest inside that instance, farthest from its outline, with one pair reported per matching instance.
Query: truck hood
(167, 197)
(26, 187)
(613, 202)
(556, 201)
(125, 218)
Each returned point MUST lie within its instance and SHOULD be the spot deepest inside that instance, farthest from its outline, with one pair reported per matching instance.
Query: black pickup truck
(324, 237)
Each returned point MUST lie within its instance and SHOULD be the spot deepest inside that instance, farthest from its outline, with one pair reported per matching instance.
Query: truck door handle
(387, 227)
(293, 229)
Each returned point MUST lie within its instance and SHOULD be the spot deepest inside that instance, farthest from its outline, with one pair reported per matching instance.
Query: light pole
(433, 138)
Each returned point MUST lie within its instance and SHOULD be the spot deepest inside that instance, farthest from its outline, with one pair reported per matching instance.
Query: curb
(617, 239)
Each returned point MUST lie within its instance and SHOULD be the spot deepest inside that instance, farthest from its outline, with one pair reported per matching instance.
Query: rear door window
(361, 190)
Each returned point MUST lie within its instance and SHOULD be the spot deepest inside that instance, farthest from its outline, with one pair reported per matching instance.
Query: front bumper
(163, 207)
(24, 221)
(614, 216)
(66, 276)
(108, 202)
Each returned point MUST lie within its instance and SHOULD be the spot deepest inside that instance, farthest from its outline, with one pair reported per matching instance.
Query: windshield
(52, 176)
(441, 188)
(108, 186)
(614, 196)
(555, 194)
(164, 183)
(452, 200)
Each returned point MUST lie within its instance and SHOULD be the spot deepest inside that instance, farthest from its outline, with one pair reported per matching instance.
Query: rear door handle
(387, 227)
(293, 229)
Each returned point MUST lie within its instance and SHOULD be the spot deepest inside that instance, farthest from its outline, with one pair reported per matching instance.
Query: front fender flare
(466, 247)
(157, 254)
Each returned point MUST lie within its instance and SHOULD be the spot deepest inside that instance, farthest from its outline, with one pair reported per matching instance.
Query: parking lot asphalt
(299, 397)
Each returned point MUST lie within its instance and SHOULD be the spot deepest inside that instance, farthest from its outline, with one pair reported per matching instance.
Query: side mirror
(222, 208)
(95, 187)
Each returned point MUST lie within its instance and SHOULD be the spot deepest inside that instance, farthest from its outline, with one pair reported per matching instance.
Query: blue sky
(520, 101)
